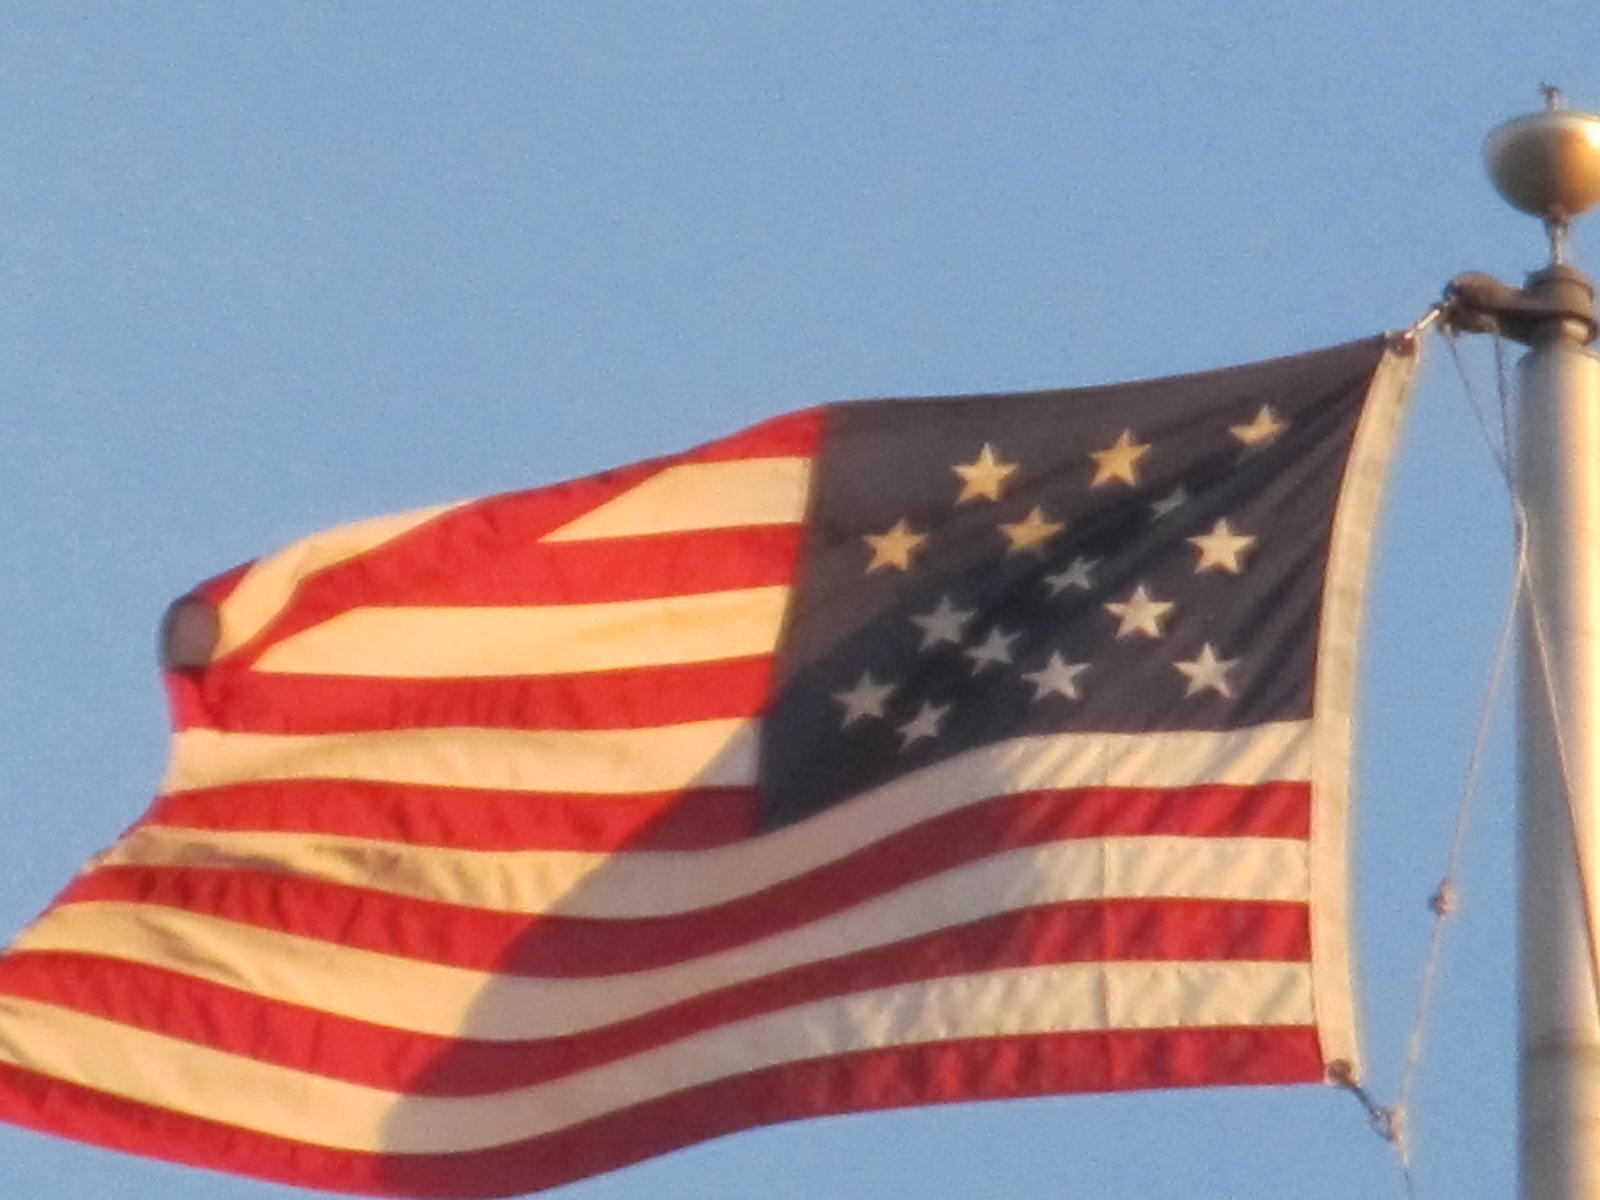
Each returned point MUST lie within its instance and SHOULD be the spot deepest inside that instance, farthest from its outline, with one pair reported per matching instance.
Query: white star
(894, 547)
(1264, 429)
(924, 725)
(943, 624)
(1206, 670)
(994, 649)
(1031, 533)
(981, 478)
(1173, 500)
(1118, 460)
(1140, 613)
(866, 699)
(1058, 677)
(1221, 548)
(1076, 575)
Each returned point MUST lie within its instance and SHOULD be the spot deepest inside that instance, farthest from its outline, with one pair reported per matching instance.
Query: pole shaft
(1558, 471)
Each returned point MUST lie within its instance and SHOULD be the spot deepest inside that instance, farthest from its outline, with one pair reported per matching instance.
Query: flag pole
(1548, 164)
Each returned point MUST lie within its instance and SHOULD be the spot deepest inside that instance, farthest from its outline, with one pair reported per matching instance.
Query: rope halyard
(1581, 867)
(1523, 584)
(1392, 1122)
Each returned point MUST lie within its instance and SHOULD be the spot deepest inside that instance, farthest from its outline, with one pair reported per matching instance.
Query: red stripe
(571, 946)
(489, 551)
(368, 1052)
(219, 587)
(527, 571)
(788, 435)
(488, 820)
(237, 700)
(519, 569)
(988, 1068)
(468, 818)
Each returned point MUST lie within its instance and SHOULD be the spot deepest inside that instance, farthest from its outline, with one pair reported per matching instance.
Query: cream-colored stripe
(699, 753)
(655, 884)
(636, 885)
(434, 998)
(1334, 705)
(709, 495)
(270, 582)
(477, 642)
(292, 1104)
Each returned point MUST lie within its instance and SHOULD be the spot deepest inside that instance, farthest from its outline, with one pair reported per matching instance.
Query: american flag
(887, 753)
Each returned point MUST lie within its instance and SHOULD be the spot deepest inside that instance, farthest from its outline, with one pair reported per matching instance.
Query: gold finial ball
(1547, 163)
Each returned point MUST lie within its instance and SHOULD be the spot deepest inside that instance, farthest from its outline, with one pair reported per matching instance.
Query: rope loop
(1443, 901)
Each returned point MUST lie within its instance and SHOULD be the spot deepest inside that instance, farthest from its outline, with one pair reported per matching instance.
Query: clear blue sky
(269, 267)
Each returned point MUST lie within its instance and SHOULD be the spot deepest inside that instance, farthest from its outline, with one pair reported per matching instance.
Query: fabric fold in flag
(892, 752)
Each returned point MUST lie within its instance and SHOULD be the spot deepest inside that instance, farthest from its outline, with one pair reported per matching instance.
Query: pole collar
(1556, 305)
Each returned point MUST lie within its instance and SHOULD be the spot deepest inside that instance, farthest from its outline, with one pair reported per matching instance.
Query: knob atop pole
(1547, 164)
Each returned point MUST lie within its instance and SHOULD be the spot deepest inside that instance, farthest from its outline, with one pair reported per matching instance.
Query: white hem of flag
(1334, 706)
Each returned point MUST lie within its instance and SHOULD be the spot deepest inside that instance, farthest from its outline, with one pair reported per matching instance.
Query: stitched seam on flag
(279, 1101)
(1349, 553)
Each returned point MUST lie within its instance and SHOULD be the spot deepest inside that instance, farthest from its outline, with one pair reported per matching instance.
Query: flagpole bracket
(1556, 305)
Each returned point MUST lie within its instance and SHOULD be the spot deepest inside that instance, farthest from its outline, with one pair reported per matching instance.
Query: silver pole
(1558, 472)
(1548, 164)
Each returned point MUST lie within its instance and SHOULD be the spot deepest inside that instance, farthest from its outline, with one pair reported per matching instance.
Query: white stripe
(268, 585)
(718, 753)
(447, 1000)
(469, 641)
(626, 885)
(643, 884)
(280, 1102)
(690, 496)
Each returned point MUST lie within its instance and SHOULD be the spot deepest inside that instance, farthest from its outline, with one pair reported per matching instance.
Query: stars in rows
(989, 475)
(979, 650)
(869, 698)
(1220, 549)
(898, 546)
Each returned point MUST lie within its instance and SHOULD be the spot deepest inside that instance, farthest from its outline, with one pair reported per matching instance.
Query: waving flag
(887, 753)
